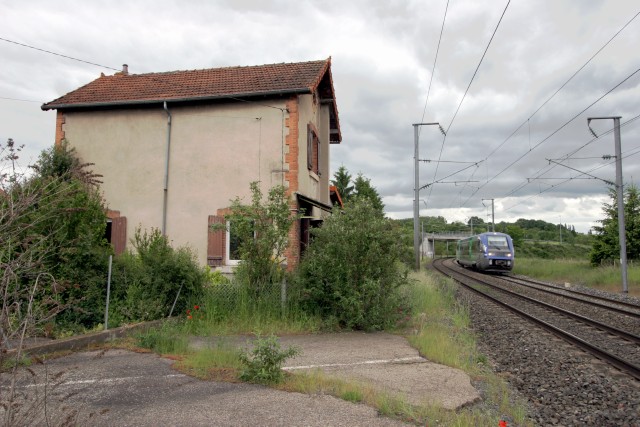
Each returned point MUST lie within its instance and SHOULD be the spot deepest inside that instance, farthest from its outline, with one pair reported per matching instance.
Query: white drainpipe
(166, 172)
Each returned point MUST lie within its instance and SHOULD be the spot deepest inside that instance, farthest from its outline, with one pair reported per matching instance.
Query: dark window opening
(107, 231)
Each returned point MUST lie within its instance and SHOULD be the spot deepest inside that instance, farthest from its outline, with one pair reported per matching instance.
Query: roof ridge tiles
(230, 67)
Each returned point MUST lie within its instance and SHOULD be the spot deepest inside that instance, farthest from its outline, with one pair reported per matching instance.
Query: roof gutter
(53, 106)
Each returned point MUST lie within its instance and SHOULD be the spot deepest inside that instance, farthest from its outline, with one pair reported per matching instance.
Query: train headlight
(509, 254)
(490, 254)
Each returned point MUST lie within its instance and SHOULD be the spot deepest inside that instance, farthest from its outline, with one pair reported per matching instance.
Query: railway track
(609, 331)
(623, 307)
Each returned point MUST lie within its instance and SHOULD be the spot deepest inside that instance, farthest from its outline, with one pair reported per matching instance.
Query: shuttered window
(119, 234)
(215, 242)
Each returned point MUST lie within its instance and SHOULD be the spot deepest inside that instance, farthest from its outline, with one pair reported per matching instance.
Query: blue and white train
(487, 252)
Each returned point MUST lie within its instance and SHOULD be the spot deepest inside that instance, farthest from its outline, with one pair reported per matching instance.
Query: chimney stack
(125, 69)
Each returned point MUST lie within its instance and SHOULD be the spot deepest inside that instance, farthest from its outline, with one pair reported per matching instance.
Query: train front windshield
(498, 242)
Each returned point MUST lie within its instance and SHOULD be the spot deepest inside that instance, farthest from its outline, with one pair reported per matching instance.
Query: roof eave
(235, 96)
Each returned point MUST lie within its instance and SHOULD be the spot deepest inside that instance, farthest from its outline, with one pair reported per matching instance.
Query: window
(116, 231)
(223, 242)
(313, 149)
(234, 241)
(232, 250)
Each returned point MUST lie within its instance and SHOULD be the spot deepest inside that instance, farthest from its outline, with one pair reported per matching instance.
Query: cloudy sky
(550, 65)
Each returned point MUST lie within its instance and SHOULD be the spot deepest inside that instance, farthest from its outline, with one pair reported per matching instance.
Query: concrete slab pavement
(120, 387)
(385, 361)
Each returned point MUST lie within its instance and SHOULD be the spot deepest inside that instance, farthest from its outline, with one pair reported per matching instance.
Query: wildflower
(188, 311)
(189, 317)
(196, 307)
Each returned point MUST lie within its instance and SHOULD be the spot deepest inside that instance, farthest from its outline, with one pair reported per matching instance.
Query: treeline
(532, 238)
(522, 229)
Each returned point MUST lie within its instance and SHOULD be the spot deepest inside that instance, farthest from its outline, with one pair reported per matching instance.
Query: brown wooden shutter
(119, 234)
(215, 242)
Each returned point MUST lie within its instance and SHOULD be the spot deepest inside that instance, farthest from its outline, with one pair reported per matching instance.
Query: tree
(349, 274)
(606, 245)
(364, 189)
(51, 240)
(476, 223)
(342, 181)
(516, 233)
(263, 231)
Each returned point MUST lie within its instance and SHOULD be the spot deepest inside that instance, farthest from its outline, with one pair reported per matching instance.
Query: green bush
(146, 282)
(351, 274)
(52, 241)
(263, 364)
(262, 229)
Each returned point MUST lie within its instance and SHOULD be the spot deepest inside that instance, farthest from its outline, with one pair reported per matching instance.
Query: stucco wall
(216, 151)
(314, 185)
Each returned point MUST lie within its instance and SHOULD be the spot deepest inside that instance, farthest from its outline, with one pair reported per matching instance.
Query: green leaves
(350, 272)
(263, 365)
(145, 282)
(263, 230)
(606, 247)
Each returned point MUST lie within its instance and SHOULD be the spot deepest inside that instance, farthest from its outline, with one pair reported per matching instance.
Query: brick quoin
(292, 253)
(60, 119)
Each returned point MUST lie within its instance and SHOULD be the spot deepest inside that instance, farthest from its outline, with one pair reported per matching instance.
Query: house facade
(175, 148)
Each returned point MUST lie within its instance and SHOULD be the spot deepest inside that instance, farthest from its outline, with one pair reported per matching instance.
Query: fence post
(175, 300)
(106, 311)
(283, 296)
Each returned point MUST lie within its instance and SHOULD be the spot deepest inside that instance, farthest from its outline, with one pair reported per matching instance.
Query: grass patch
(441, 333)
(165, 339)
(605, 278)
(221, 363)
(230, 309)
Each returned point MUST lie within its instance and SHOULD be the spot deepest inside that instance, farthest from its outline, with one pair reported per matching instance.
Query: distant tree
(342, 181)
(364, 189)
(516, 233)
(606, 246)
(477, 224)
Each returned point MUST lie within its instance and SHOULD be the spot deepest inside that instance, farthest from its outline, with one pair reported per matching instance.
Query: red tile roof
(208, 84)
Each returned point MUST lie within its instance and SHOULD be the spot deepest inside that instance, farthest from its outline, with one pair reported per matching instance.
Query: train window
(498, 242)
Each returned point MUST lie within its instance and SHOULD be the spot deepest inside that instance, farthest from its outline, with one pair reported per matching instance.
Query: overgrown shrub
(350, 273)
(146, 281)
(52, 226)
(262, 228)
(263, 365)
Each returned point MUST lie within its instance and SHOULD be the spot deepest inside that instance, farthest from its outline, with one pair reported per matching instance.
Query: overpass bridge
(427, 247)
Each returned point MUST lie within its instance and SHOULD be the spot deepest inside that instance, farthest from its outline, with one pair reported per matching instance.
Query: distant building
(175, 148)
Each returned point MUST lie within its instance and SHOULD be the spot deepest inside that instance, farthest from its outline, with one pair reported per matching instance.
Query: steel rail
(612, 359)
(557, 291)
(596, 324)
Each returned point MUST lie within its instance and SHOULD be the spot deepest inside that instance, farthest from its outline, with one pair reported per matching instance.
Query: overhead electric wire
(102, 66)
(433, 69)
(567, 156)
(58, 54)
(551, 97)
(564, 84)
(18, 99)
(637, 151)
(554, 132)
(478, 67)
(452, 174)
(465, 93)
